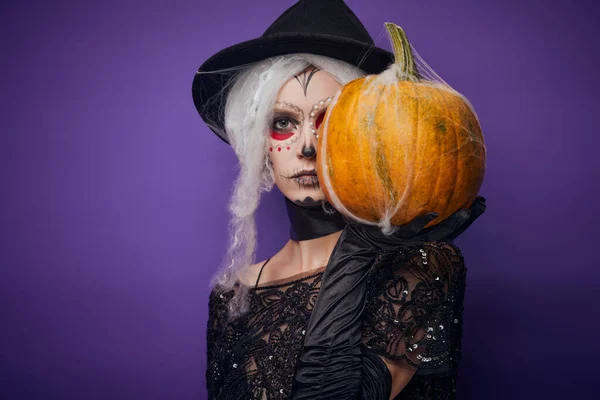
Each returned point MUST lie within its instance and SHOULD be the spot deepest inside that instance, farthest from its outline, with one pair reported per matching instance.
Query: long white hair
(248, 113)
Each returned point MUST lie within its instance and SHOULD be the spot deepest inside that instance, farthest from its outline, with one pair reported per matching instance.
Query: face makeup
(299, 110)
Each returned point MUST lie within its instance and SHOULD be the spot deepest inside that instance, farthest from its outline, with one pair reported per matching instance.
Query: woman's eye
(283, 124)
(283, 129)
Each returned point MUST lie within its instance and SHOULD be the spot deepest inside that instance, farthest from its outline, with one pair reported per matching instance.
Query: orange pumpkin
(395, 146)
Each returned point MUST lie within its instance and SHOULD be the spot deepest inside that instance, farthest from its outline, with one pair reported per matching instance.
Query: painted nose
(308, 151)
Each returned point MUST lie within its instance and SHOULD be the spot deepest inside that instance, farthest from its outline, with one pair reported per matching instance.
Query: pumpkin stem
(403, 55)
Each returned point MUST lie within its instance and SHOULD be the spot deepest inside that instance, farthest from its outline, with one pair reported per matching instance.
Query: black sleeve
(408, 317)
(376, 378)
(414, 310)
(216, 314)
(333, 363)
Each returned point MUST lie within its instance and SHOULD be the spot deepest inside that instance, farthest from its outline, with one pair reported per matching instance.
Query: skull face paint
(299, 109)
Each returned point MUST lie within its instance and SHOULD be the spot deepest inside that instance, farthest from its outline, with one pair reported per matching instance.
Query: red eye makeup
(317, 114)
(281, 136)
(319, 120)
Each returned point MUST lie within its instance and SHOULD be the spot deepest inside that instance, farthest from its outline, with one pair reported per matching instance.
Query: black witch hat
(323, 27)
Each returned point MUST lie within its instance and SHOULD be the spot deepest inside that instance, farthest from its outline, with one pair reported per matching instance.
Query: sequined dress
(413, 312)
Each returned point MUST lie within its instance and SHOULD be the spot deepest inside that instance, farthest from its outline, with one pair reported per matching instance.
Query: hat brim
(209, 90)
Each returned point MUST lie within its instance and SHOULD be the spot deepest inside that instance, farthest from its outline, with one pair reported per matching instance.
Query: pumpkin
(395, 146)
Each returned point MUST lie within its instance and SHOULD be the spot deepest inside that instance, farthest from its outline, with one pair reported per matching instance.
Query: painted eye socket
(319, 119)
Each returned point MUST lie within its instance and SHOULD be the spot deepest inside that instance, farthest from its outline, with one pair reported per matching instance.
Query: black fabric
(330, 364)
(255, 356)
(323, 27)
(410, 301)
(413, 311)
(376, 377)
(311, 222)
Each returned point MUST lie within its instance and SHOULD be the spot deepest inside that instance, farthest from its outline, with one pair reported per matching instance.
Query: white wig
(248, 113)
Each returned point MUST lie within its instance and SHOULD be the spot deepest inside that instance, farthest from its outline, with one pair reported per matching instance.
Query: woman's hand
(447, 230)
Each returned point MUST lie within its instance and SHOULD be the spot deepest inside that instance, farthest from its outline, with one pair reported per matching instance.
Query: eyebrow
(283, 107)
(286, 113)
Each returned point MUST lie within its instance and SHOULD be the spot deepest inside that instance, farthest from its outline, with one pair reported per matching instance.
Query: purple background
(114, 192)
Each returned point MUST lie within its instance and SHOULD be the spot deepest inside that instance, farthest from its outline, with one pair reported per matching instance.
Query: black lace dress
(413, 313)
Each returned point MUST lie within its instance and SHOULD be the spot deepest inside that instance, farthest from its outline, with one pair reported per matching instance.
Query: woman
(341, 310)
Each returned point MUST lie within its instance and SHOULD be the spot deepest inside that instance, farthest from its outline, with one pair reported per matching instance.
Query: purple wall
(114, 193)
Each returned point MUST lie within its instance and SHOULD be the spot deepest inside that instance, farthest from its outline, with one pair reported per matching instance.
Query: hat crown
(322, 27)
(325, 17)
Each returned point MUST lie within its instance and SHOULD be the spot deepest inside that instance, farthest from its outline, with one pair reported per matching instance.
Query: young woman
(341, 310)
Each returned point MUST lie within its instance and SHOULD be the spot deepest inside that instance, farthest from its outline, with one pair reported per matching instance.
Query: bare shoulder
(249, 275)
(279, 265)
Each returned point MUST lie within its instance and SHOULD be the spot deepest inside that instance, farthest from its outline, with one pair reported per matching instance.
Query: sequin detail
(409, 316)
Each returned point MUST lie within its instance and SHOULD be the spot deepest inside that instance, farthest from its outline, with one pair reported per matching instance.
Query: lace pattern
(254, 357)
(416, 305)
